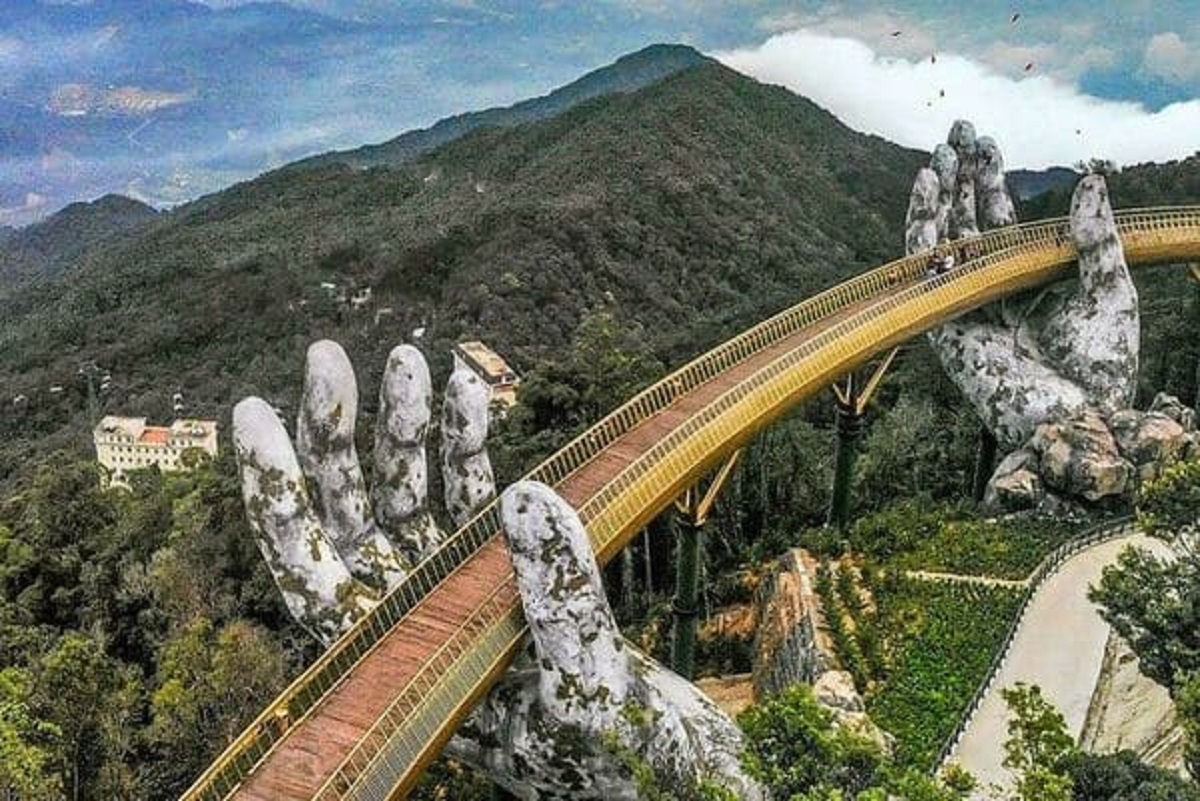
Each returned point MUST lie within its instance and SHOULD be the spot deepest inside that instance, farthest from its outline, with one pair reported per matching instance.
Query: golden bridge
(375, 709)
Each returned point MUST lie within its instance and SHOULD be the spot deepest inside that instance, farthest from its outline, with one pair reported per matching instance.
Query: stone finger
(328, 457)
(466, 470)
(316, 585)
(1094, 335)
(991, 190)
(925, 218)
(944, 163)
(963, 219)
(584, 661)
(399, 487)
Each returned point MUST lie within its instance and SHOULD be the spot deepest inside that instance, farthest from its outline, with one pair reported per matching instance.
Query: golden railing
(991, 266)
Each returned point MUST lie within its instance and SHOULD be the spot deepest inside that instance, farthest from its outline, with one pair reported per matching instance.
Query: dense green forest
(140, 631)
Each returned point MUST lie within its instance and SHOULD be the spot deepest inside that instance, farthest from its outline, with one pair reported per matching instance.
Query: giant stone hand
(1030, 360)
(568, 723)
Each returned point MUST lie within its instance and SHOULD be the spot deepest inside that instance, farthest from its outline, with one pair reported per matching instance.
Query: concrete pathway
(1059, 647)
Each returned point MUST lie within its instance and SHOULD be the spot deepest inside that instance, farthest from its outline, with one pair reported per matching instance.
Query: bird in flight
(1015, 17)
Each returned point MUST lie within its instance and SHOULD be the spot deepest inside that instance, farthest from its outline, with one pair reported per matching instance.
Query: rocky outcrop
(791, 647)
(788, 644)
(1089, 459)
(835, 691)
(1130, 711)
(1017, 483)
(1149, 440)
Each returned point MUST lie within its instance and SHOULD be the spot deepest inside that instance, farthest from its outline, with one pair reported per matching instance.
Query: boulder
(835, 692)
(1079, 457)
(834, 689)
(1173, 407)
(789, 645)
(1149, 440)
(1016, 485)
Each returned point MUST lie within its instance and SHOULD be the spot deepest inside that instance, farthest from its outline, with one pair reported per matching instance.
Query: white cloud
(1037, 119)
(889, 34)
(1168, 56)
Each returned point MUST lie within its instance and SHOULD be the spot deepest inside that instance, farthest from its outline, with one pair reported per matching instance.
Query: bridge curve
(371, 713)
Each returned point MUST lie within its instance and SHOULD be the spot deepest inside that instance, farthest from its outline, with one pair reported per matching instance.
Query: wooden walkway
(315, 747)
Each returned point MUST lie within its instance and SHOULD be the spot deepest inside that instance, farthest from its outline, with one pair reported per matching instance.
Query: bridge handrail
(306, 692)
(1105, 531)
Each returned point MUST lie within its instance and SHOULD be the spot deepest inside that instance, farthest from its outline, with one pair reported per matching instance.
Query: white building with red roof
(124, 444)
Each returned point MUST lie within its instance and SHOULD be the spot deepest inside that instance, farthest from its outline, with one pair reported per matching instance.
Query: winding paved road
(1059, 647)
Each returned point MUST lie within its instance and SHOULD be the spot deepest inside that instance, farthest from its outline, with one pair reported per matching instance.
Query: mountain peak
(46, 247)
(628, 73)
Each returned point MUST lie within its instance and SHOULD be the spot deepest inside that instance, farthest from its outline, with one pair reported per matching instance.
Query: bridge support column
(689, 545)
(985, 463)
(851, 407)
(849, 429)
(691, 513)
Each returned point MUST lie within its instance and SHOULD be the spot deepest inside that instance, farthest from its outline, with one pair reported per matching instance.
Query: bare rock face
(1087, 458)
(1130, 711)
(787, 647)
(834, 690)
(1079, 457)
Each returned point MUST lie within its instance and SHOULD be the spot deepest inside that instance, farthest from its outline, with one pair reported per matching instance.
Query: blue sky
(1146, 50)
(164, 99)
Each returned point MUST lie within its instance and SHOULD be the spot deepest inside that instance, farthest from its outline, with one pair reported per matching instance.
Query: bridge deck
(315, 747)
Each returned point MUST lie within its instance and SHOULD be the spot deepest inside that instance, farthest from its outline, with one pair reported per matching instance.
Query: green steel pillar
(985, 462)
(685, 606)
(849, 429)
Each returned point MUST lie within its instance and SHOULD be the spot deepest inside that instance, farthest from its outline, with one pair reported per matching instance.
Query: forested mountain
(1026, 184)
(627, 74)
(690, 207)
(42, 250)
